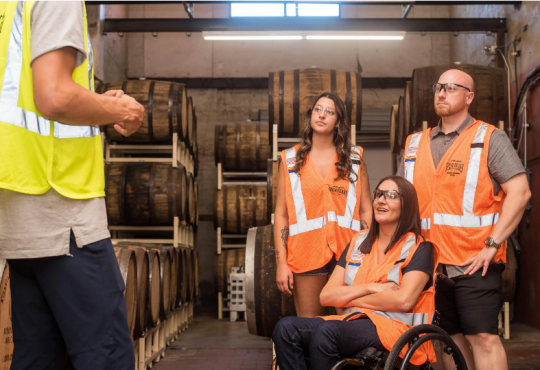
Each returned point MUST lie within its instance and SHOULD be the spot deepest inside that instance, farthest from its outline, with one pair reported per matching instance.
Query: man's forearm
(82, 107)
(512, 211)
(390, 300)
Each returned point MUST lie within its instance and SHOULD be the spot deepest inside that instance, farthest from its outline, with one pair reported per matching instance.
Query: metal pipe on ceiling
(304, 24)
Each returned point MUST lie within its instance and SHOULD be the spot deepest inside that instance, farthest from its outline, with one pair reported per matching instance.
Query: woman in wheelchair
(382, 286)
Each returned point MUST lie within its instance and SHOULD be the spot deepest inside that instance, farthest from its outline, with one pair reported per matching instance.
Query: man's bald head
(458, 77)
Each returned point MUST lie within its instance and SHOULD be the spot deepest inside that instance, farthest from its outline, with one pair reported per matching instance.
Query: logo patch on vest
(410, 158)
(338, 190)
(356, 258)
(454, 168)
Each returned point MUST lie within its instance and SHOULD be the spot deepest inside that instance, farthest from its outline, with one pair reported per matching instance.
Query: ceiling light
(348, 37)
(253, 38)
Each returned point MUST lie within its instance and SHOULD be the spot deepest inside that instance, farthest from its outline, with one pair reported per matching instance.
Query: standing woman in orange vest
(323, 199)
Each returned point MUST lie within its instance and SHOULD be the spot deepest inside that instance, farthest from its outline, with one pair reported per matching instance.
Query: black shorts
(325, 270)
(471, 306)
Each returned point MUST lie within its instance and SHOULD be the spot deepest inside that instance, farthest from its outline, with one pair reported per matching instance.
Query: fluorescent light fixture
(355, 35)
(252, 38)
(300, 35)
(257, 10)
(359, 37)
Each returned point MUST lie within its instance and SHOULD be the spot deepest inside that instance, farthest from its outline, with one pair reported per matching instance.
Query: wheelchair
(373, 359)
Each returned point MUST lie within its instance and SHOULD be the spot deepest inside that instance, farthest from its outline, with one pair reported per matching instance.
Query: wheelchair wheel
(415, 338)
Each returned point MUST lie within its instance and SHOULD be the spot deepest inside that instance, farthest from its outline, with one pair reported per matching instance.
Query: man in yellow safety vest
(67, 290)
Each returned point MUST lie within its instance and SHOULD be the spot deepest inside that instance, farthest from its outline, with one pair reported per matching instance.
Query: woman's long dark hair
(342, 139)
(409, 219)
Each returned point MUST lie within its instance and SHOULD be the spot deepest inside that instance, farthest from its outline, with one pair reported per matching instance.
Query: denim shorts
(325, 270)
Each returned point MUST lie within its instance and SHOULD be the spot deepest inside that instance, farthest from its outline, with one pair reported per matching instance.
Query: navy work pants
(70, 304)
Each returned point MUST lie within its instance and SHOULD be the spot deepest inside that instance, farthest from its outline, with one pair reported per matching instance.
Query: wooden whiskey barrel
(490, 100)
(141, 257)
(222, 266)
(240, 207)
(393, 128)
(265, 304)
(190, 112)
(508, 288)
(173, 277)
(292, 93)
(183, 274)
(6, 349)
(165, 279)
(196, 271)
(271, 187)
(407, 126)
(190, 199)
(196, 160)
(191, 280)
(165, 110)
(145, 193)
(196, 200)
(242, 146)
(128, 268)
(400, 134)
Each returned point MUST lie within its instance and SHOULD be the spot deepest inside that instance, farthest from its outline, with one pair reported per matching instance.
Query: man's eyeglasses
(388, 194)
(329, 111)
(449, 87)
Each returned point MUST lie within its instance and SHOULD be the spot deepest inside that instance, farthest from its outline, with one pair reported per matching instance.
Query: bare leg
(488, 352)
(465, 348)
(306, 292)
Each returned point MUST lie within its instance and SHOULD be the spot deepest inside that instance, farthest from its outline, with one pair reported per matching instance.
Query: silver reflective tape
(298, 197)
(90, 62)
(351, 195)
(344, 221)
(466, 220)
(351, 270)
(409, 319)
(426, 224)
(409, 166)
(9, 95)
(63, 131)
(350, 310)
(350, 274)
(472, 172)
(30, 121)
(393, 275)
(305, 226)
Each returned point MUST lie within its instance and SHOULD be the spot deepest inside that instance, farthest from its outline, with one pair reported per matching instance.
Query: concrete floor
(211, 344)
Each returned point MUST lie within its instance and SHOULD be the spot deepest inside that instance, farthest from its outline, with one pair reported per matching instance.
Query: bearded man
(472, 190)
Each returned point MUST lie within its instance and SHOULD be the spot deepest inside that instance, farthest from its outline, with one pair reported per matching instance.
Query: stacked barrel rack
(152, 210)
(247, 152)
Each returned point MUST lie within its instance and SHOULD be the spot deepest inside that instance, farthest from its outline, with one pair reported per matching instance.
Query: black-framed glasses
(449, 87)
(388, 194)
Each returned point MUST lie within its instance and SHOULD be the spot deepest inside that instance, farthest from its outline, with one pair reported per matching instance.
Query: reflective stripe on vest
(9, 95)
(410, 160)
(468, 219)
(302, 223)
(409, 319)
(393, 275)
(350, 272)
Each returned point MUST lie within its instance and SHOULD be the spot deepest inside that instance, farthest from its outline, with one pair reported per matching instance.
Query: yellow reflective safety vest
(37, 153)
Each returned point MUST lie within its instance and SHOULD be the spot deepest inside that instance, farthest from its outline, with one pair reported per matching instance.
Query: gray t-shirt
(503, 162)
(35, 226)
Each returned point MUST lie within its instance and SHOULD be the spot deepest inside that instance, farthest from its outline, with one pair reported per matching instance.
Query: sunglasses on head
(388, 194)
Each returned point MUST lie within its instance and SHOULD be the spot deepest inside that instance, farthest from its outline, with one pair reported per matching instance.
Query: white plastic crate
(236, 292)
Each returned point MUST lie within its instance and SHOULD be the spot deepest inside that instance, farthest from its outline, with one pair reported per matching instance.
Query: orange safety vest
(457, 205)
(323, 213)
(364, 269)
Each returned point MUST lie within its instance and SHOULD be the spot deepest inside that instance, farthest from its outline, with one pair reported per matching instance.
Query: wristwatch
(491, 243)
